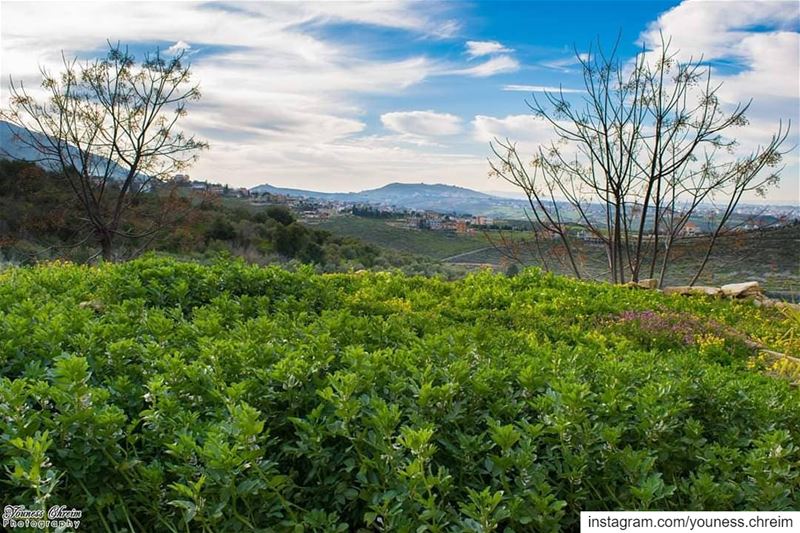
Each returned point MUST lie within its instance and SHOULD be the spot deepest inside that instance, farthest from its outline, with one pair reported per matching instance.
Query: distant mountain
(299, 193)
(11, 147)
(413, 196)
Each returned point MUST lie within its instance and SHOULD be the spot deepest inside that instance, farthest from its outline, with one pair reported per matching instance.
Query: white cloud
(540, 89)
(282, 102)
(718, 31)
(500, 59)
(266, 77)
(496, 65)
(485, 48)
(565, 64)
(387, 13)
(761, 40)
(525, 130)
(422, 123)
(345, 165)
(180, 46)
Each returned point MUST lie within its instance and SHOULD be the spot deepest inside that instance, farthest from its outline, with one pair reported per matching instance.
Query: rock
(786, 305)
(642, 284)
(710, 291)
(741, 290)
(647, 283)
(697, 290)
(676, 290)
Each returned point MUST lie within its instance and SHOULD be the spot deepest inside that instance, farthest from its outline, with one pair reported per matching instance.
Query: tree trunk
(106, 247)
(618, 242)
(665, 262)
(656, 223)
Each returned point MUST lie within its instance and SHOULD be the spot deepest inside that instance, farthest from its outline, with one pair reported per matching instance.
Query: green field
(157, 395)
(770, 257)
(433, 244)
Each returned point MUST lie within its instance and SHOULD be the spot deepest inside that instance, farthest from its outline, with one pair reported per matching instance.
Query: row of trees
(634, 158)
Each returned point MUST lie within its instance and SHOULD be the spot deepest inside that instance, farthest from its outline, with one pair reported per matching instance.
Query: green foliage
(40, 220)
(280, 213)
(512, 270)
(221, 230)
(32, 202)
(158, 395)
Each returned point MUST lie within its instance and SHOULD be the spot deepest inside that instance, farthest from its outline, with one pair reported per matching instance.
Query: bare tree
(109, 128)
(636, 158)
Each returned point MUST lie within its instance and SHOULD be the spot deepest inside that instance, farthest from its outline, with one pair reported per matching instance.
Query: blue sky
(351, 95)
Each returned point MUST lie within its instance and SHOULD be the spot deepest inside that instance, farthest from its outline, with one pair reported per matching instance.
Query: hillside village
(312, 210)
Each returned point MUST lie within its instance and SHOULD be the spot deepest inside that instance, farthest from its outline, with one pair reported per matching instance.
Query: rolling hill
(11, 147)
(415, 196)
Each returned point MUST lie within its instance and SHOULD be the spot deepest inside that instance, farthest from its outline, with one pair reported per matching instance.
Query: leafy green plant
(229, 397)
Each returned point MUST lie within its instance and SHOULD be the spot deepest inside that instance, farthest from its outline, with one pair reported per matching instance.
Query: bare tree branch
(109, 128)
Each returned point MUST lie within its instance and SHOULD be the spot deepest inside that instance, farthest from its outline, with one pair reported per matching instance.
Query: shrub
(221, 230)
(281, 214)
(157, 395)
